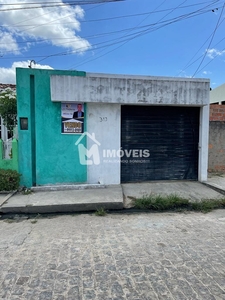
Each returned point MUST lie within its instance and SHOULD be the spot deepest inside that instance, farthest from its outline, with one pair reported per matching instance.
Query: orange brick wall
(217, 112)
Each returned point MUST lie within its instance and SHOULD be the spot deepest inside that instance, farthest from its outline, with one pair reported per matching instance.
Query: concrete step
(64, 187)
(110, 197)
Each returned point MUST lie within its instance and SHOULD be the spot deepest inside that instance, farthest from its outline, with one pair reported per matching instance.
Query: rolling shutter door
(169, 134)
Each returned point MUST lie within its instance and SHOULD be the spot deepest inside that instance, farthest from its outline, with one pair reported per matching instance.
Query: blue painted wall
(45, 155)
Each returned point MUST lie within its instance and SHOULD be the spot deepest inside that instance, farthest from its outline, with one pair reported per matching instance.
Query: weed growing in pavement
(26, 191)
(174, 202)
(205, 205)
(100, 212)
(160, 202)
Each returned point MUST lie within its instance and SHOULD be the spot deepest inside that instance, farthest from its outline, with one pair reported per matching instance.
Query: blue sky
(182, 38)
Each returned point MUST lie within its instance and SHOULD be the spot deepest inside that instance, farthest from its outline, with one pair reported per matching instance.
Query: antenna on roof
(30, 65)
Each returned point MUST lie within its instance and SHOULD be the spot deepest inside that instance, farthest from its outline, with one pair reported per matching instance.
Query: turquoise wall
(45, 155)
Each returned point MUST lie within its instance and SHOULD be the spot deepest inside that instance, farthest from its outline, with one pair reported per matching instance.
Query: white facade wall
(104, 94)
(203, 143)
(104, 121)
(217, 95)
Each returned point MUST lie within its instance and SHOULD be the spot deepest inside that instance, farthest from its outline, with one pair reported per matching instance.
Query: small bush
(9, 180)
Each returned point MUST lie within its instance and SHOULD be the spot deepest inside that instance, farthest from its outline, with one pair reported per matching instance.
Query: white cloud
(212, 53)
(206, 72)
(8, 42)
(8, 75)
(59, 25)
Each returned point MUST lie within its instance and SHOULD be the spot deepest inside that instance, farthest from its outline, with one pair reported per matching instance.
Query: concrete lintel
(122, 89)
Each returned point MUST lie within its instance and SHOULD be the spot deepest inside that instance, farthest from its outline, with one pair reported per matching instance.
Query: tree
(8, 108)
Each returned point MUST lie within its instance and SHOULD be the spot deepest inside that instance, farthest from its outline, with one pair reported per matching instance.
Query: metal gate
(159, 143)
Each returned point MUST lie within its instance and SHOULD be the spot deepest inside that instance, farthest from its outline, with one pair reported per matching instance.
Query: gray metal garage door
(159, 143)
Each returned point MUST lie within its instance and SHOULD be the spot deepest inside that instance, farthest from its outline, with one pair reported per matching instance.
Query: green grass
(159, 202)
(174, 202)
(100, 212)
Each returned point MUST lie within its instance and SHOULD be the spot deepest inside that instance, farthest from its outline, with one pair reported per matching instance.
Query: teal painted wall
(45, 155)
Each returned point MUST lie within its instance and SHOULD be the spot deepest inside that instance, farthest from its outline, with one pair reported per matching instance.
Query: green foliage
(159, 202)
(206, 205)
(8, 108)
(100, 212)
(169, 202)
(9, 180)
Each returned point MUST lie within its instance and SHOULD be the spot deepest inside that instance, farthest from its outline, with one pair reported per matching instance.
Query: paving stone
(122, 256)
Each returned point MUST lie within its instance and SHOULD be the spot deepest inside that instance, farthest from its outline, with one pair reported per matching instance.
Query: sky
(179, 38)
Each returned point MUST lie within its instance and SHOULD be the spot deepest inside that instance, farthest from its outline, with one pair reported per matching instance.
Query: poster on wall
(72, 117)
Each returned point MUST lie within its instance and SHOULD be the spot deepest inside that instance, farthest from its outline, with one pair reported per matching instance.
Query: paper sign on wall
(72, 117)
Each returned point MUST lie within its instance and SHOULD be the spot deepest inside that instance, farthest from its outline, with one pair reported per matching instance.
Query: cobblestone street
(119, 256)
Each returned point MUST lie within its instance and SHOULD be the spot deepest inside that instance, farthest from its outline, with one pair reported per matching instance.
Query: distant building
(217, 95)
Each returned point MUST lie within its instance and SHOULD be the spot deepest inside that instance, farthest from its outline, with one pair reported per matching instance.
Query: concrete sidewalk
(217, 183)
(68, 200)
(93, 197)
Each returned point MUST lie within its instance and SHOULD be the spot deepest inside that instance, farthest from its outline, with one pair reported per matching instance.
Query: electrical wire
(59, 5)
(214, 32)
(147, 28)
(113, 18)
(131, 38)
(140, 33)
(190, 63)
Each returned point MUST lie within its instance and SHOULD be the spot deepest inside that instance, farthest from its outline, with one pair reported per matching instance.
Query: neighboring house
(135, 128)
(217, 95)
(5, 134)
(217, 130)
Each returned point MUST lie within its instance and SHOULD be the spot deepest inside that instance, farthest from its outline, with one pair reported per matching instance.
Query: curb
(7, 198)
(215, 187)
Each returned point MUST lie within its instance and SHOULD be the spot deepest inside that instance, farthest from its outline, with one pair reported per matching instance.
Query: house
(134, 128)
(217, 95)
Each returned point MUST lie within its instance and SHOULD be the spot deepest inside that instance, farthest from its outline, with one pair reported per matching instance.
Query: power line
(145, 29)
(116, 17)
(59, 4)
(190, 63)
(214, 32)
(137, 26)
(138, 34)
(158, 22)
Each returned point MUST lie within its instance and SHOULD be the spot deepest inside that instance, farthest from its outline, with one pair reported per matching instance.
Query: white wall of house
(203, 144)
(104, 121)
(7, 142)
(217, 95)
